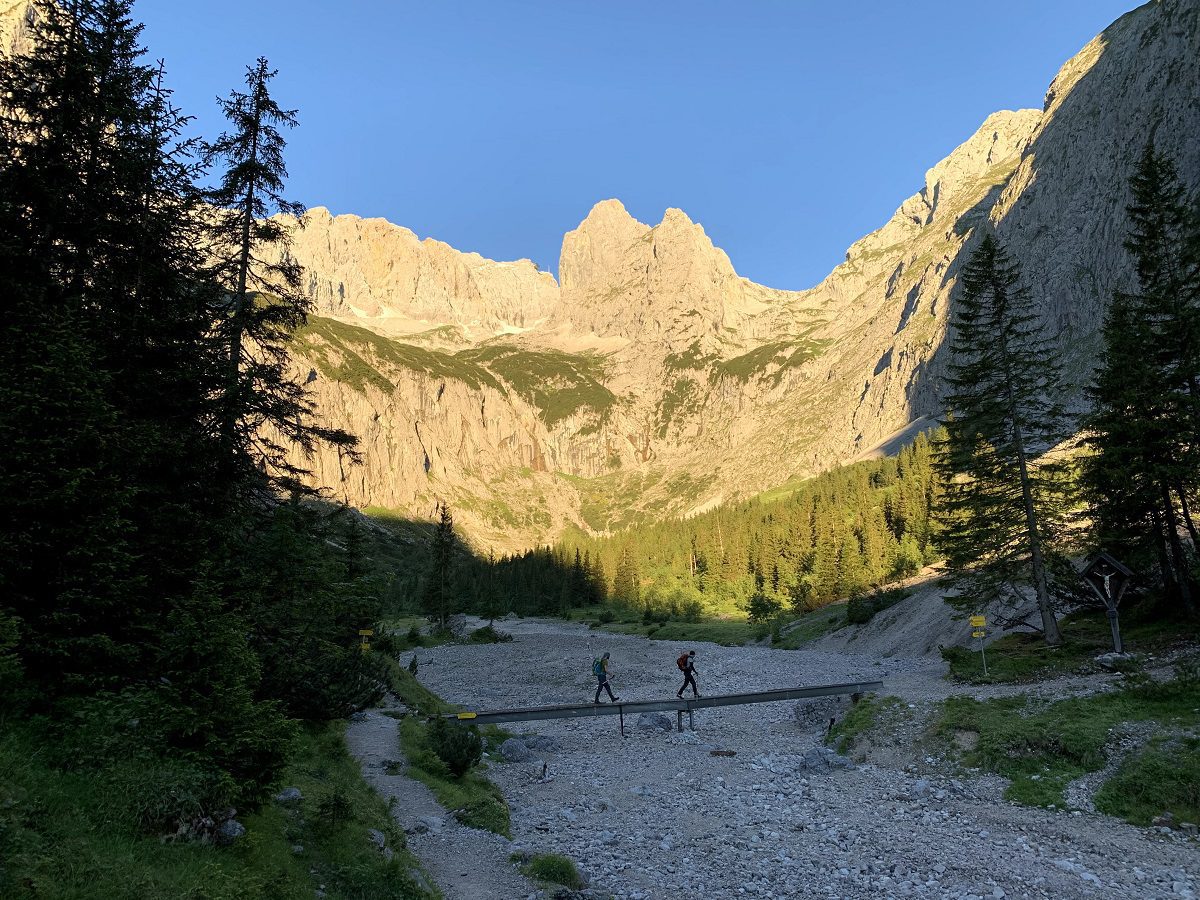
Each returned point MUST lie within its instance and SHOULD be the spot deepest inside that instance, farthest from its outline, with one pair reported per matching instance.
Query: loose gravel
(656, 813)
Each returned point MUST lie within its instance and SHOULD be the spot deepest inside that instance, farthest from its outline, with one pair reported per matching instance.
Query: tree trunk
(1164, 560)
(1049, 623)
(1181, 565)
(1187, 517)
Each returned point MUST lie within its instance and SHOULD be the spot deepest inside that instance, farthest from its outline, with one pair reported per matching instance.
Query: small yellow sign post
(365, 635)
(978, 630)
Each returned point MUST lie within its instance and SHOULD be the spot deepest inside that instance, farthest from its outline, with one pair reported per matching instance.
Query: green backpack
(597, 667)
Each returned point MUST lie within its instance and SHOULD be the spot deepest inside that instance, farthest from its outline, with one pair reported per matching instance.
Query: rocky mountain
(653, 380)
(16, 21)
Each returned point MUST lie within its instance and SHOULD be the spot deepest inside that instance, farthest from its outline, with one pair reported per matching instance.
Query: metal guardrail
(620, 707)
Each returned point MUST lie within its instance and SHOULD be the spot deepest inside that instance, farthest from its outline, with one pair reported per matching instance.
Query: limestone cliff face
(16, 22)
(379, 274)
(665, 286)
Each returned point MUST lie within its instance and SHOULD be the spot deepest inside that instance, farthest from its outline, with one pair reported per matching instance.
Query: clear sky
(788, 128)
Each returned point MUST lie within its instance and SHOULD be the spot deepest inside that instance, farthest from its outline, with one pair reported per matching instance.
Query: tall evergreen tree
(1002, 509)
(1145, 423)
(266, 411)
(439, 595)
(626, 589)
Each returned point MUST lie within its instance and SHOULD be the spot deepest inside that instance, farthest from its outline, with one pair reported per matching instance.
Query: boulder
(515, 750)
(289, 796)
(655, 721)
(230, 831)
(539, 742)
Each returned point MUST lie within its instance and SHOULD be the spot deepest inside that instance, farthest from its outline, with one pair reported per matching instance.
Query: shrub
(556, 868)
(458, 746)
(413, 638)
(334, 808)
(489, 635)
(863, 607)
(606, 616)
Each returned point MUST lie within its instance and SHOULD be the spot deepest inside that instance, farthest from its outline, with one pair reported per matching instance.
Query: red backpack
(682, 663)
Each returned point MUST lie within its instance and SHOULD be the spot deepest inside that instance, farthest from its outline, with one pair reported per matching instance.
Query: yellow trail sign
(365, 632)
(978, 634)
(978, 621)
(467, 715)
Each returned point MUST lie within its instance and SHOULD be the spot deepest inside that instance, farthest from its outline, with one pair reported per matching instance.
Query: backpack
(682, 662)
(597, 667)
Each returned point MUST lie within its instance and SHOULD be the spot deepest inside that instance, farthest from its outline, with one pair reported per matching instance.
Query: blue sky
(788, 129)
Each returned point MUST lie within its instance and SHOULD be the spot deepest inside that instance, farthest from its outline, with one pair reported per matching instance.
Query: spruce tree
(626, 589)
(438, 598)
(266, 411)
(1145, 424)
(1002, 509)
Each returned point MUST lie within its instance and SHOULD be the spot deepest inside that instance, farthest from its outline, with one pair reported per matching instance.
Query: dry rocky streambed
(656, 814)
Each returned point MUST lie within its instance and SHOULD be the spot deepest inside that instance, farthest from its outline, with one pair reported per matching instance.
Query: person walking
(601, 671)
(687, 665)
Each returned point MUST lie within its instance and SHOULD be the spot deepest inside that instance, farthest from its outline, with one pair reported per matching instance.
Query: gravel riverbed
(655, 813)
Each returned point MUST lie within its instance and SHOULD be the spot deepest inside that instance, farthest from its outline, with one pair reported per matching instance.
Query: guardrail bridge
(620, 707)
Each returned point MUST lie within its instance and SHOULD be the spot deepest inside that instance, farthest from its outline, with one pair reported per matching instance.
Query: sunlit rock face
(653, 380)
(16, 25)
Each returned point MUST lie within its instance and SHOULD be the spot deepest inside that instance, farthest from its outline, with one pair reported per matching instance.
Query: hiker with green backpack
(600, 670)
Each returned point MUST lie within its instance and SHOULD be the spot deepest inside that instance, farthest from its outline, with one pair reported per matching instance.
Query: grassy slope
(1043, 746)
(1024, 658)
(63, 835)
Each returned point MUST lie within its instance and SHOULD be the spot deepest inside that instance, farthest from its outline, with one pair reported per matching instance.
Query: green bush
(555, 868)
(334, 808)
(458, 746)
(489, 635)
(863, 607)
(606, 616)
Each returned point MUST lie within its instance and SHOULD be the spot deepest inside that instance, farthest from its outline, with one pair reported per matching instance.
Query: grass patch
(863, 717)
(357, 356)
(769, 360)
(691, 358)
(1165, 777)
(472, 799)
(68, 834)
(1025, 658)
(559, 384)
(1043, 746)
(553, 868)
(727, 632)
(813, 625)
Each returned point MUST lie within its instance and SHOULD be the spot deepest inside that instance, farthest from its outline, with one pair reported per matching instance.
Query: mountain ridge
(651, 380)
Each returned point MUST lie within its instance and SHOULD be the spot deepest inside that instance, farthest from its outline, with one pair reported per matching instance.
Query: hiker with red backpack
(600, 670)
(687, 665)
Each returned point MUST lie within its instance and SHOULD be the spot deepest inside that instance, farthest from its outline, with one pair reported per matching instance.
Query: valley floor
(654, 814)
